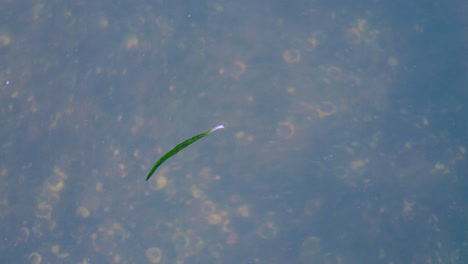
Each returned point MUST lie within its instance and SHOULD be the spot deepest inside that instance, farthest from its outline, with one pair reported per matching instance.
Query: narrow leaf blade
(180, 147)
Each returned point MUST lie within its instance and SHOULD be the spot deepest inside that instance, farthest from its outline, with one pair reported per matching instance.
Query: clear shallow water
(344, 139)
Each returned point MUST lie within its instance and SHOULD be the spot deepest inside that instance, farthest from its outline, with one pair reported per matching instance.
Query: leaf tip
(220, 126)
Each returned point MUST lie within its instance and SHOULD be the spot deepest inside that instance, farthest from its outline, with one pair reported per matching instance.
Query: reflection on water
(325, 157)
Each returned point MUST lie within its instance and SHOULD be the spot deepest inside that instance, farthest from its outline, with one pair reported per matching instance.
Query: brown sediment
(180, 240)
(226, 227)
(161, 180)
(60, 173)
(103, 23)
(44, 211)
(55, 249)
(52, 198)
(83, 212)
(285, 130)
(23, 235)
(313, 42)
(292, 56)
(214, 219)
(232, 238)
(291, 90)
(5, 40)
(132, 42)
(205, 173)
(316, 38)
(353, 36)
(267, 231)
(197, 193)
(208, 207)
(244, 211)
(154, 255)
(326, 109)
(160, 183)
(35, 258)
(236, 70)
(57, 187)
(240, 69)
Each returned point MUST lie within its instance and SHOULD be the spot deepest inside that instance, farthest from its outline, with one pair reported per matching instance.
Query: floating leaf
(180, 147)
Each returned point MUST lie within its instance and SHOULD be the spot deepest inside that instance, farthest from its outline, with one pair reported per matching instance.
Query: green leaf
(180, 147)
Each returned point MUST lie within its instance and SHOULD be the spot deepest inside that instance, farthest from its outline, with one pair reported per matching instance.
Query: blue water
(345, 138)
